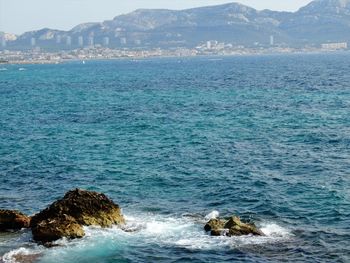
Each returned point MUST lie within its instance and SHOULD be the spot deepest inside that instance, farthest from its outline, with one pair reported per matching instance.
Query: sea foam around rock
(145, 230)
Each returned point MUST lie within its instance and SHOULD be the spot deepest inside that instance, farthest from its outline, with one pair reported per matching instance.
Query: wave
(22, 254)
(214, 214)
(149, 230)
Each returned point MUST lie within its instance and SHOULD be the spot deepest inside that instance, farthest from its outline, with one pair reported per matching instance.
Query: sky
(19, 16)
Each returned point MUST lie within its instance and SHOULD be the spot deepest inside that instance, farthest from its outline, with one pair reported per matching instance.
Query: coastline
(38, 61)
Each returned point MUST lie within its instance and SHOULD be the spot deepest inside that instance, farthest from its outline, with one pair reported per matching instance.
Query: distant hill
(319, 22)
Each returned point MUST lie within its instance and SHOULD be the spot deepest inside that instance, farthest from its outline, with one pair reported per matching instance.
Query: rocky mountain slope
(319, 22)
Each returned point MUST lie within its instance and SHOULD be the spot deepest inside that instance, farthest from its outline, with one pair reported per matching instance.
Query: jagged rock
(218, 232)
(65, 217)
(237, 228)
(232, 227)
(14, 220)
(56, 228)
(215, 226)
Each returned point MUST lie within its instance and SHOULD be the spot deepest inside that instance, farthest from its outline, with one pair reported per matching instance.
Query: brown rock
(238, 228)
(233, 221)
(14, 220)
(56, 228)
(233, 227)
(25, 258)
(216, 227)
(65, 217)
(214, 224)
(217, 232)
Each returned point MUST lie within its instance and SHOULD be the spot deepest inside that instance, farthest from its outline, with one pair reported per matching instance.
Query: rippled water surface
(171, 140)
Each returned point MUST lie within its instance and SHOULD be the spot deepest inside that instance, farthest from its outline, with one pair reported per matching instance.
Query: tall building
(3, 42)
(91, 41)
(208, 44)
(272, 40)
(58, 39)
(106, 41)
(33, 41)
(212, 44)
(69, 41)
(123, 41)
(138, 42)
(80, 41)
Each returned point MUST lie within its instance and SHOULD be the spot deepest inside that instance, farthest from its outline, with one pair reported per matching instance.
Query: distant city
(230, 29)
(98, 51)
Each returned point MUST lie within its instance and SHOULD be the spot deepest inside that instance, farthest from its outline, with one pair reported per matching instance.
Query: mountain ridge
(318, 22)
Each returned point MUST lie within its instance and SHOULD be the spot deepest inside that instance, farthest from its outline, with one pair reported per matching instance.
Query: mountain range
(321, 21)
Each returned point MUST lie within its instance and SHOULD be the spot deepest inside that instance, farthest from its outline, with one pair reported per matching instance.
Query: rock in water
(215, 227)
(13, 220)
(232, 227)
(238, 228)
(65, 217)
(52, 229)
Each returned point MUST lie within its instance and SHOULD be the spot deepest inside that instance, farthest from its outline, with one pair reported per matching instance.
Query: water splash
(22, 254)
(147, 231)
(213, 215)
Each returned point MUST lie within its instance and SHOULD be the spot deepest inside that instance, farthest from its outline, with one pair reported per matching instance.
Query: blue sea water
(171, 140)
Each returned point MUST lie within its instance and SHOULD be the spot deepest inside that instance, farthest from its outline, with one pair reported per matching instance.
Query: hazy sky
(18, 16)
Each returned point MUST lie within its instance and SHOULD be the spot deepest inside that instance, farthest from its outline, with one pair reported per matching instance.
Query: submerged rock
(13, 220)
(23, 258)
(21, 255)
(65, 217)
(231, 227)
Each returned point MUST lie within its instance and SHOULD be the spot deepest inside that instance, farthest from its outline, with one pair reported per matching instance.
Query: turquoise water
(171, 140)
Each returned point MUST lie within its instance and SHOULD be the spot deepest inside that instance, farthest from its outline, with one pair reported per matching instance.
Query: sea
(174, 141)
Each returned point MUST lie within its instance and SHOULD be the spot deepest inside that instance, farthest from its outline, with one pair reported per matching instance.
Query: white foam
(183, 232)
(10, 257)
(187, 233)
(148, 230)
(213, 215)
(271, 229)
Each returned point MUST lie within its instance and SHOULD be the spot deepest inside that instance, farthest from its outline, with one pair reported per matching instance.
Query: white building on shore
(335, 46)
